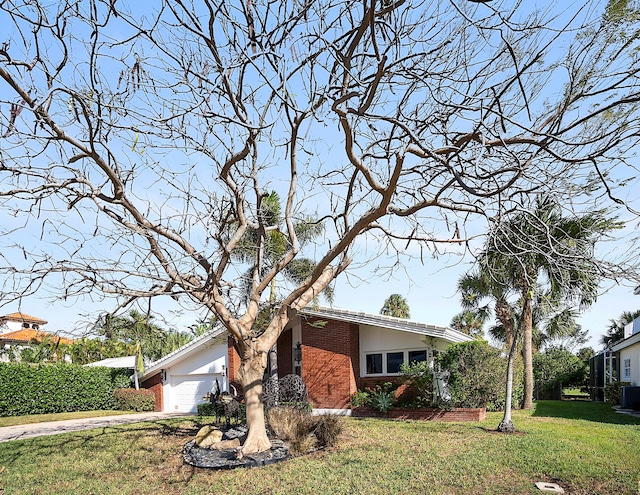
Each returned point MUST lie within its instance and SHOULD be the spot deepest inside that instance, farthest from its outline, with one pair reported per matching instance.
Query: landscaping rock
(207, 436)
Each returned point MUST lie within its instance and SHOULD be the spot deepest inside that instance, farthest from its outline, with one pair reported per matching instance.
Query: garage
(181, 379)
(187, 391)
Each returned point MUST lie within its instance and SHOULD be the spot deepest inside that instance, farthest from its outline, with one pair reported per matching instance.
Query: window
(417, 356)
(394, 361)
(389, 363)
(374, 364)
(626, 373)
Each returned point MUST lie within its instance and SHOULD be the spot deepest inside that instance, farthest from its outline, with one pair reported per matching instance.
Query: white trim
(332, 412)
(629, 341)
(388, 322)
(166, 361)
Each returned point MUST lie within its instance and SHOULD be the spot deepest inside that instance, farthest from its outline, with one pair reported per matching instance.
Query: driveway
(20, 432)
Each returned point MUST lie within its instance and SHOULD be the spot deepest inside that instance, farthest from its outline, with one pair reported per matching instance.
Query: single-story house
(335, 351)
(627, 352)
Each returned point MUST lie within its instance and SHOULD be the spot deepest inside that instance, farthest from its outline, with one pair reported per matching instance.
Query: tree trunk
(506, 425)
(527, 350)
(250, 377)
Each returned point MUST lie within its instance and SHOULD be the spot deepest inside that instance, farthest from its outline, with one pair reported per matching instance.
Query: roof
(117, 362)
(357, 317)
(624, 343)
(22, 317)
(27, 335)
(166, 361)
(390, 322)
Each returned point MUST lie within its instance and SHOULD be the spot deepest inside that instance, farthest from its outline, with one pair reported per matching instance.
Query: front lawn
(41, 418)
(585, 447)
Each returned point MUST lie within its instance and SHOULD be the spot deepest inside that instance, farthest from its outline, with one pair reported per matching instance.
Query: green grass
(40, 418)
(585, 447)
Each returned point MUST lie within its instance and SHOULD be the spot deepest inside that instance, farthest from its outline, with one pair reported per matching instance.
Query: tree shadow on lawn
(585, 410)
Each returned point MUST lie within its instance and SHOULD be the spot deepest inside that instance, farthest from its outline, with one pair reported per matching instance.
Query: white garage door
(188, 390)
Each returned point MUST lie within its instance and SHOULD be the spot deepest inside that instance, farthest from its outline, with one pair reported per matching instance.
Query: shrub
(130, 399)
(613, 392)
(474, 374)
(206, 409)
(420, 376)
(303, 431)
(59, 387)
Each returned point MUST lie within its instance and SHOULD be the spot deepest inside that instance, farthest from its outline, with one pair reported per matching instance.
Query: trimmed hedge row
(61, 387)
(130, 399)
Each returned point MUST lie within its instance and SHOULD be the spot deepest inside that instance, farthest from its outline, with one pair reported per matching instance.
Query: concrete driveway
(20, 432)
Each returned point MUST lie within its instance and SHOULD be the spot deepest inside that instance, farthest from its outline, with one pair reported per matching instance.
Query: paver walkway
(19, 432)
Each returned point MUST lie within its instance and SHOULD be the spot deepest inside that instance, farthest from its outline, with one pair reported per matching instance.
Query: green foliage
(396, 305)
(613, 392)
(206, 409)
(51, 388)
(475, 375)
(130, 399)
(557, 366)
(420, 376)
(381, 397)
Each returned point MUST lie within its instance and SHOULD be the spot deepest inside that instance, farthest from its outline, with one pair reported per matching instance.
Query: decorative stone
(549, 487)
(225, 458)
(207, 436)
(226, 444)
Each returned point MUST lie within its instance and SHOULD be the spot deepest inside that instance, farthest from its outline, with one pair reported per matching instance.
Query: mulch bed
(226, 458)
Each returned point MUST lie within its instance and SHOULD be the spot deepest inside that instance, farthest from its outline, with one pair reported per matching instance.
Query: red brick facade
(331, 363)
(155, 385)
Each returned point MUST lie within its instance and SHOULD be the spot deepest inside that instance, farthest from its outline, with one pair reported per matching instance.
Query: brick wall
(154, 384)
(233, 363)
(285, 359)
(330, 363)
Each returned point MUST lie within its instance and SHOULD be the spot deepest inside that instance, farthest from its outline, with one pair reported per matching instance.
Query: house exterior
(627, 353)
(335, 351)
(19, 330)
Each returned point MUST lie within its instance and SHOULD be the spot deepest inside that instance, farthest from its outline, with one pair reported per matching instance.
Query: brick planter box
(455, 414)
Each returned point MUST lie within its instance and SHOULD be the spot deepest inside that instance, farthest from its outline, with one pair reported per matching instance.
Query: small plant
(420, 376)
(383, 401)
(328, 429)
(360, 398)
(206, 409)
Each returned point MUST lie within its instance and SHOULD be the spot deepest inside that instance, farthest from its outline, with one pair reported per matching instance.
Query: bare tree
(139, 142)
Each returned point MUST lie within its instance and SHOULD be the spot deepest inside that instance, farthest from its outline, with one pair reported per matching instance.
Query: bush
(420, 376)
(382, 397)
(130, 399)
(558, 366)
(475, 375)
(613, 392)
(59, 387)
(206, 409)
(303, 431)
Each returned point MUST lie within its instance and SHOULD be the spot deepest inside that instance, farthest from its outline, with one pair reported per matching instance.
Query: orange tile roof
(27, 335)
(22, 317)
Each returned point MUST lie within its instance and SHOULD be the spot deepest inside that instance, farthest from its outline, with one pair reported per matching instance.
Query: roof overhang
(623, 344)
(168, 360)
(388, 322)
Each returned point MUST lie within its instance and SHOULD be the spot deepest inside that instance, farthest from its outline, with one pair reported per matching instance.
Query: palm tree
(542, 247)
(264, 249)
(395, 305)
(470, 321)
(615, 331)
(480, 287)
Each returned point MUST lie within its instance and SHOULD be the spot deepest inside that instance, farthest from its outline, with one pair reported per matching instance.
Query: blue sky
(429, 286)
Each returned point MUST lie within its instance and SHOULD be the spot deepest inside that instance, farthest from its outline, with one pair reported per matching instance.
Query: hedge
(60, 387)
(130, 399)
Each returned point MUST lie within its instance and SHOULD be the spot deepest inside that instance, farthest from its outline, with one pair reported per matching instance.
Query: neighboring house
(335, 351)
(627, 352)
(19, 330)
